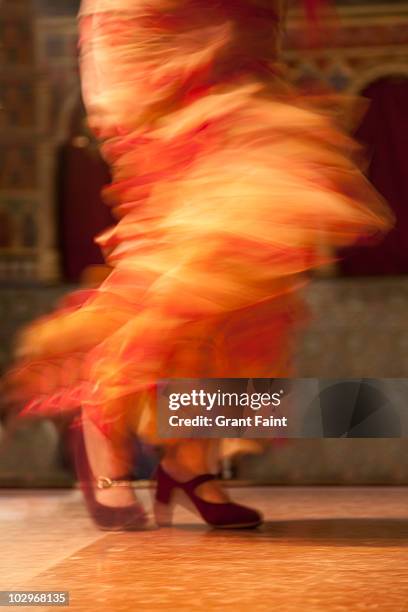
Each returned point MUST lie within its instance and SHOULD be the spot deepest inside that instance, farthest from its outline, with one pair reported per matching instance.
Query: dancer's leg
(109, 456)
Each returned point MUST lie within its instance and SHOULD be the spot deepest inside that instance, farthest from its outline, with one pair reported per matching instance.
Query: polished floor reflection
(335, 549)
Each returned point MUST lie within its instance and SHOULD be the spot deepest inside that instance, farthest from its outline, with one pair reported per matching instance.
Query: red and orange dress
(225, 181)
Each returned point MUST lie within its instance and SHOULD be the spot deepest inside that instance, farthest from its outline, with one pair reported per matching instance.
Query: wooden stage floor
(321, 549)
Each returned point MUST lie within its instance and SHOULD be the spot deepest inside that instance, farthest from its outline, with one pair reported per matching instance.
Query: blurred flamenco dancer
(225, 181)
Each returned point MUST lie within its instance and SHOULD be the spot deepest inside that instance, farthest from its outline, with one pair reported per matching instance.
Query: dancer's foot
(110, 501)
(221, 513)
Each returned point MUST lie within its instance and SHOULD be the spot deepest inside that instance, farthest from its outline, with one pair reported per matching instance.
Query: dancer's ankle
(211, 491)
(181, 472)
(116, 496)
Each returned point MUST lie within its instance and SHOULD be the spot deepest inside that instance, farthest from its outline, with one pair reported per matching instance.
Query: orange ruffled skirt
(226, 183)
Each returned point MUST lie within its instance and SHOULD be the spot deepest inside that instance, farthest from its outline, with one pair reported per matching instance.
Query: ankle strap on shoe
(199, 480)
(104, 482)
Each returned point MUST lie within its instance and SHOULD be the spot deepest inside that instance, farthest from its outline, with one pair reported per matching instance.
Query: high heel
(221, 515)
(109, 518)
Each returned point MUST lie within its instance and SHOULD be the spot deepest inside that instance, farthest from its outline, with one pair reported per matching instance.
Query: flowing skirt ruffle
(228, 187)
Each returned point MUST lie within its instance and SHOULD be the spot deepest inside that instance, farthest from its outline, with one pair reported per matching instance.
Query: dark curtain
(384, 133)
(82, 213)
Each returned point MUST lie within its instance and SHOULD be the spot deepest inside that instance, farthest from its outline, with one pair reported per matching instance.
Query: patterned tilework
(17, 101)
(20, 179)
(18, 167)
(17, 38)
(38, 112)
(367, 41)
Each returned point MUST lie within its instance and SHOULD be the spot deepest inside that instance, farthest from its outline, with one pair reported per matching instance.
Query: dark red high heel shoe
(224, 515)
(109, 518)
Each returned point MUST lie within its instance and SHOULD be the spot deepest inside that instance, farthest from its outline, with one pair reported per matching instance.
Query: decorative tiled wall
(366, 41)
(40, 91)
(26, 178)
